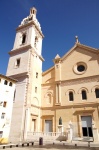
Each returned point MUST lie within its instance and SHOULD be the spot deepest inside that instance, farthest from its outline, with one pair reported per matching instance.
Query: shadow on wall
(63, 137)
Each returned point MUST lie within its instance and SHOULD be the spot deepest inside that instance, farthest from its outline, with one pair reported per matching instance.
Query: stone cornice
(18, 50)
(83, 110)
(93, 50)
(45, 116)
(87, 47)
(40, 56)
(32, 114)
(32, 105)
(47, 84)
(47, 71)
(84, 105)
(8, 78)
(19, 75)
(33, 51)
(28, 24)
(74, 81)
(79, 80)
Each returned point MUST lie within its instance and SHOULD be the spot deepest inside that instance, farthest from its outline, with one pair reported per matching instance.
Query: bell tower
(25, 65)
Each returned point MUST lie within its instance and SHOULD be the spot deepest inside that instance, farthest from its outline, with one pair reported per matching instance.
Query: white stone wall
(30, 64)
(24, 58)
(7, 93)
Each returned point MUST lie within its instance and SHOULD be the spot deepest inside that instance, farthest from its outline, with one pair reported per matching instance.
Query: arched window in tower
(33, 11)
(10, 84)
(97, 93)
(17, 62)
(36, 41)
(23, 38)
(71, 97)
(5, 82)
(84, 95)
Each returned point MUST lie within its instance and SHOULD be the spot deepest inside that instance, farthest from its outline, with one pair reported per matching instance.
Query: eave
(8, 78)
(28, 24)
(18, 50)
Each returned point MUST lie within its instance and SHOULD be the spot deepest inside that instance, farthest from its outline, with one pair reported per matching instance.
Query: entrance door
(87, 126)
(33, 125)
(48, 125)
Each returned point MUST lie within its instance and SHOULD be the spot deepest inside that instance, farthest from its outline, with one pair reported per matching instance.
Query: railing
(47, 136)
(45, 133)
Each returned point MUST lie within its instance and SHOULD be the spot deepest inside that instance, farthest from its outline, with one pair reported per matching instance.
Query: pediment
(82, 49)
(81, 61)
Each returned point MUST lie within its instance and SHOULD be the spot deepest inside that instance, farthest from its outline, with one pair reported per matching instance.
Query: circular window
(80, 68)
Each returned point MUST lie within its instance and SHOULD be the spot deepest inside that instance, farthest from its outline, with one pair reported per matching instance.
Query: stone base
(60, 128)
(95, 134)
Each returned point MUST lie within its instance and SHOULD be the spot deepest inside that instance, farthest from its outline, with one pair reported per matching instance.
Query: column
(57, 99)
(26, 122)
(59, 94)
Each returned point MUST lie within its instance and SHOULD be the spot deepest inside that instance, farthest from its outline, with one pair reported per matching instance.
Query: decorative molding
(83, 88)
(83, 111)
(28, 24)
(47, 116)
(72, 105)
(25, 74)
(32, 105)
(80, 80)
(10, 78)
(20, 49)
(57, 104)
(78, 45)
(47, 71)
(75, 70)
(34, 53)
(95, 87)
(70, 90)
(34, 115)
(48, 92)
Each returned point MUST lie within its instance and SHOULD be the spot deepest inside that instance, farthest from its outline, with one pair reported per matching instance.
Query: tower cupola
(33, 11)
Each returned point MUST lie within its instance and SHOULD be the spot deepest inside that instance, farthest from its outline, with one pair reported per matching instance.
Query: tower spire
(76, 37)
(33, 11)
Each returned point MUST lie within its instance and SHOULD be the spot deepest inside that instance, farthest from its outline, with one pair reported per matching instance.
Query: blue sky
(61, 21)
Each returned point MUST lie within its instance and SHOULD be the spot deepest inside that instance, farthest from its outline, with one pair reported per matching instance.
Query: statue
(60, 121)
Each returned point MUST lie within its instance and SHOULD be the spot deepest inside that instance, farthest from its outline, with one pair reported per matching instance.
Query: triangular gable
(87, 48)
(48, 70)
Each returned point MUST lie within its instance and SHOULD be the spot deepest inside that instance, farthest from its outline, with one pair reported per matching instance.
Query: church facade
(69, 90)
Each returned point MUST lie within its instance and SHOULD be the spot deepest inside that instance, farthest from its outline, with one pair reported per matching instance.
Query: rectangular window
(2, 115)
(35, 89)
(23, 38)
(84, 95)
(71, 98)
(86, 122)
(1, 134)
(17, 63)
(4, 104)
(36, 74)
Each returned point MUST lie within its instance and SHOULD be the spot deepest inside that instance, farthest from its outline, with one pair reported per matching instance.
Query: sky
(61, 21)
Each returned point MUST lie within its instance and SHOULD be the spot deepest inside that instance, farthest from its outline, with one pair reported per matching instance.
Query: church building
(68, 91)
